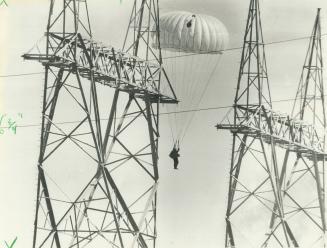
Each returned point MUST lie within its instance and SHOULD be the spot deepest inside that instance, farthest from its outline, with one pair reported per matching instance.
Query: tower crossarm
(105, 64)
(285, 132)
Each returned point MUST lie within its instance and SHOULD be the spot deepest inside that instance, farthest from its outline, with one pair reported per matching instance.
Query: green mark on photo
(12, 244)
(3, 2)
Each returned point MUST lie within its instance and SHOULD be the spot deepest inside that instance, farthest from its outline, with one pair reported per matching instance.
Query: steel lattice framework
(98, 177)
(277, 179)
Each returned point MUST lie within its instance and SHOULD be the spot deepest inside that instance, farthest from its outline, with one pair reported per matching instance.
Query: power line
(186, 55)
(131, 116)
(164, 113)
(21, 74)
(239, 48)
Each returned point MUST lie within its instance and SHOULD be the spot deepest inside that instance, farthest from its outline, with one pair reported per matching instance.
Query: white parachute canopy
(191, 45)
(191, 33)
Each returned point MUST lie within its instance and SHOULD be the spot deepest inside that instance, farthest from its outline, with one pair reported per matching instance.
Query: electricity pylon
(98, 176)
(276, 185)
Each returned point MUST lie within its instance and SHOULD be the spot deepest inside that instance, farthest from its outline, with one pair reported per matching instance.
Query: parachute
(191, 46)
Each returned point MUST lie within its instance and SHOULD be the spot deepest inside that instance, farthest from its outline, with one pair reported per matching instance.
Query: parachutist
(174, 154)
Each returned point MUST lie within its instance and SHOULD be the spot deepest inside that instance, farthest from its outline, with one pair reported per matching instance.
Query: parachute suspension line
(176, 144)
(184, 73)
(172, 63)
(171, 125)
(202, 95)
(203, 78)
(170, 118)
(187, 76)
(169, 67)
(192, 82)
(191, 86)
(184, 92)
(193, 90)
(175, 79)
(188, 69)
(177, 87)
(173, 117)
(196, 89)
(200, 77)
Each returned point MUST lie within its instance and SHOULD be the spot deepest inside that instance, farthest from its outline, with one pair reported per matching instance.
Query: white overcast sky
(192, 201)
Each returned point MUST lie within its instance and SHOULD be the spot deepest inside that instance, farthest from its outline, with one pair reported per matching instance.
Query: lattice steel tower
(277, 179)
(98, 177)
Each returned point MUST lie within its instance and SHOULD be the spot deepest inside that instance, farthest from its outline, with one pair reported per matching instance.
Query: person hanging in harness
(174, 154)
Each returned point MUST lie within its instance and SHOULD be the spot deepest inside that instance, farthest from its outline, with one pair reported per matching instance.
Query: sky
(192, 201)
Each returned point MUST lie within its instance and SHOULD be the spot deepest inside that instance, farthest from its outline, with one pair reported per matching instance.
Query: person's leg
(175, 163)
